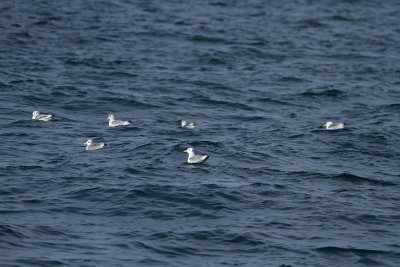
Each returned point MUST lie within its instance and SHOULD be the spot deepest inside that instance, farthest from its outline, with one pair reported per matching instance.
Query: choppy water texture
(260, 78)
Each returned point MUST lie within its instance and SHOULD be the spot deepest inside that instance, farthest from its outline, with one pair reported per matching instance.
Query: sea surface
(260, 79)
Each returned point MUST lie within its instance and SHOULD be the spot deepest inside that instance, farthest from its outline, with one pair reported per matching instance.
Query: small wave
(12, 236)
(357, 251)
(132, 170)
(274, 101)
(10, 231)
(297, 136)
(377, 137)
(126, 101)
(183, 23)
(171, 251)
(393, 107)
(213, 86)
(36, 99)
(68, 90)
(204, 200)
(159, 214)
(121, 74)
(218, 4)
(346, 177)
(40, 262)
(95, 193)
(261, 54)
(358, 179)
(208, 39)
(340, 18)
(223, 236)
(329, 93)
(47, 230)
(311, 23)
(90, 62)
(42, 23)
(207, 143)
(244, 239)
(153, 262)
(219, 103)
(350, 56)
(15, 134)
(371, 219)
(291, 79)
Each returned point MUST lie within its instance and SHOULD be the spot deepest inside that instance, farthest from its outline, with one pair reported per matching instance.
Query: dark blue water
(260, 78)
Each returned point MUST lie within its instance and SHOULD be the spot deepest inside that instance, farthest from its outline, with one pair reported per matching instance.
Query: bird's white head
(89, 142)
(329, 123)
(111, 117)
(35, 114)
(189, 150)
(183, 123)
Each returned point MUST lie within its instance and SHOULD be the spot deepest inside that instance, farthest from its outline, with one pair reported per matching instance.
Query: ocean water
(260, 78)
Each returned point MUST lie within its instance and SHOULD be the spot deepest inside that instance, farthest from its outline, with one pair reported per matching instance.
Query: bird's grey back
(95, 146)
(198, 158)
(118, 122)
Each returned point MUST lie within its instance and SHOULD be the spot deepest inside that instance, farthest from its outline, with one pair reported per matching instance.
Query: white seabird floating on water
(334, 125)
(190, 125)
(192, 158)
(92, 146)
(112, 122)
(41, 117)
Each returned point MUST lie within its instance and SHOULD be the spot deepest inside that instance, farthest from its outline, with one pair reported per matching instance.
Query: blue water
(260, 78)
